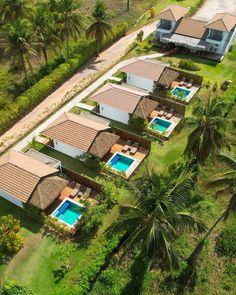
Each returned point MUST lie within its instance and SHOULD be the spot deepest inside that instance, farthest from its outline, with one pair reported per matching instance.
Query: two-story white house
(213, 38)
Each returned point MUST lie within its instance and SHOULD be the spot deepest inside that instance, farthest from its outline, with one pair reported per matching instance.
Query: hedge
(81, 53)
(78, 281)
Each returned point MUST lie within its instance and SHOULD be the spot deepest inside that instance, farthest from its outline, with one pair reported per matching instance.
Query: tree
(15, 288)
(224, 183)
(19, 44)
(44, 29)
(11, 10)
(68, 20)
(209, 133)
(9, 234)
(99, 28)
(128, 5)
(158, 216)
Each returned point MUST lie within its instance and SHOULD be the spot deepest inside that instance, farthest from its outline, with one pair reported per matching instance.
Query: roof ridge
(217, 21)
(129, 90)
(191, 18)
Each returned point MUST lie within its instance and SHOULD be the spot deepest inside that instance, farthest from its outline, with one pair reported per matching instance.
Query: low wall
(83, 180)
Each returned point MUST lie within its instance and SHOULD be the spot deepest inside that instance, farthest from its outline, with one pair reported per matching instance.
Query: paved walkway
(76, 100)
(88, 73)
(212, 7)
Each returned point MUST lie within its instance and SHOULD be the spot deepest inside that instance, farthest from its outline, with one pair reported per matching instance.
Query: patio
(194, 89)
(161, 113)
(70, 192)
(138, 156)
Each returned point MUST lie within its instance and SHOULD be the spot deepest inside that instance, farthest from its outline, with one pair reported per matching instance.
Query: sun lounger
(161, 113)
(190, 83)
(170, 114)
(82, 190)
(127, 146)
(88, 191)
(134, 148)
(74, 193)
(182, 82)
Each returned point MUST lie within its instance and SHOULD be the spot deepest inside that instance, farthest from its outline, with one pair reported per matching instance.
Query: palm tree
(158, 217)
(44, 29)
(225, 183)
(99, 28)
(11, 10)
(19, 44)
(68, 20)
(209, 133)
(128, 4)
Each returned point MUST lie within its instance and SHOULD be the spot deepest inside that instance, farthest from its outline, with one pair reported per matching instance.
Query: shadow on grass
(137, 271)
(26, 222)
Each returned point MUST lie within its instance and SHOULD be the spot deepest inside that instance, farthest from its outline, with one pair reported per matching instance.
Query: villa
(24, 180)
(213, 38)
(79, 135)
(119, 102)
(146, 74)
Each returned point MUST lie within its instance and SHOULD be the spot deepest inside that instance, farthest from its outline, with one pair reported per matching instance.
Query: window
(165, 24)
(215, 35)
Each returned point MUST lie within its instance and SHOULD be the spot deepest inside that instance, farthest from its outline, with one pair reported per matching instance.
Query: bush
(226, 242)
(138, 123)
(188, 64)
(78, 280)
(15, 288)
(34, 95)
(34, 213)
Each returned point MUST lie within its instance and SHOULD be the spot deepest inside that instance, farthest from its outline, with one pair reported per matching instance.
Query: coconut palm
(224, 183)
(18, 43)
(10, 10)
(68, 20)
(158, 217)
(99, 28)
(44, 29)
(209, 133)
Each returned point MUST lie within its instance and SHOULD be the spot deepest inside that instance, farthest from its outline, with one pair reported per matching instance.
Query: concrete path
(76, 101)
(87, 74)
(212, 7)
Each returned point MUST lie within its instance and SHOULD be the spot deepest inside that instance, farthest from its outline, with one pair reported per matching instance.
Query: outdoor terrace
(194, 88)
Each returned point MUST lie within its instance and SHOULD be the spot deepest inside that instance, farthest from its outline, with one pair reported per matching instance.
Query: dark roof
(191, 27)
(103, 143)
(167, 77)
(145, 107)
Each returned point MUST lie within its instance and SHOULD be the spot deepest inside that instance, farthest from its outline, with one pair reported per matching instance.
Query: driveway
(212, 7)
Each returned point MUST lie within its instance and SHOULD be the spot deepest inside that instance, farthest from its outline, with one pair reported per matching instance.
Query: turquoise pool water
(68, 212)
(160, 125)
(121, 162)
(180, 92)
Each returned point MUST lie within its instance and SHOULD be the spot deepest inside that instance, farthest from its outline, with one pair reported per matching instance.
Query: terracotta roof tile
(222, 22)
(173, 12)
(191, 27)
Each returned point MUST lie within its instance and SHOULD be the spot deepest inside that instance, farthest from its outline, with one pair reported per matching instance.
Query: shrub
(226, 242)
(34, 95)
(188, 64)
(79, 279)
(15, 288)
(34, 213)
(138, 123)
(92, 162)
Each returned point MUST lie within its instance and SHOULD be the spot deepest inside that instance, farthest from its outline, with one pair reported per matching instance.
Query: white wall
(113, 113)
(67, 149)
(140, 82)
(11, 199)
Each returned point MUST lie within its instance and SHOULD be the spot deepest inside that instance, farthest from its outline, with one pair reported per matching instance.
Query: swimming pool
(181, 93)
(158, 124)
(120, 162)
(68, 212)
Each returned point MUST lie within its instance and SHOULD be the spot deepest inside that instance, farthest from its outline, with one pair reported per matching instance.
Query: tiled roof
(222, 22)
(120, 97)
(20, 174)
(145, 68)
(145, 107)
(173, 12)
(76, 130)
(191, 27)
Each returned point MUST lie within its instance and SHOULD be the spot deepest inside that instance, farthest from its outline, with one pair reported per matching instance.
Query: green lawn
(214, 71)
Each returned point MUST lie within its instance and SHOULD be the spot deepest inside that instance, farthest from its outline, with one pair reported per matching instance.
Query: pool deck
(175, 120)
(65, 193)
(194, 89)
(139, 156)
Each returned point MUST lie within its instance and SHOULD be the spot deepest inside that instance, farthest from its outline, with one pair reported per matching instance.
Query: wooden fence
(196, 78)
(83, 180)
(125, 135)
(170, 103)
